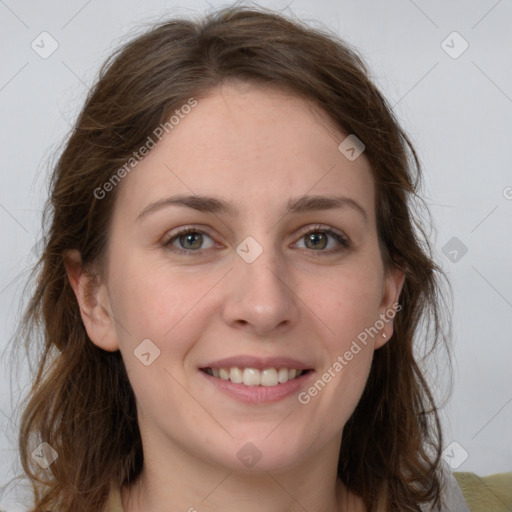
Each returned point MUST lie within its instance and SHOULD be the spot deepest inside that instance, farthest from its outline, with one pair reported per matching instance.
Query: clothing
(486, 493)
(453, 499)
(114, 503)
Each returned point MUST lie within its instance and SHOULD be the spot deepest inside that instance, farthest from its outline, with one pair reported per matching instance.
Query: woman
(232, 284)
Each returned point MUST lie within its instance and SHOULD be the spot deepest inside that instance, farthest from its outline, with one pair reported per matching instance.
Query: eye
(188, 240)
(317, 239)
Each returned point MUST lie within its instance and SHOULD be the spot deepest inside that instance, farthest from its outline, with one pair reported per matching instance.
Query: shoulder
(469, 492)
(462, 492)
(485, 493)
(453, 498)
(114, 503)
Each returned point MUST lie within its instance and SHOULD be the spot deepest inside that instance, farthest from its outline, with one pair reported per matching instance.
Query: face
(266, 282)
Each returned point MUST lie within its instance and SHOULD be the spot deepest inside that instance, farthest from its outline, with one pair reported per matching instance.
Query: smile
(255, 377)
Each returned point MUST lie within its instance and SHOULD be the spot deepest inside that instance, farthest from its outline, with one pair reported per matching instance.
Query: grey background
(458, 112)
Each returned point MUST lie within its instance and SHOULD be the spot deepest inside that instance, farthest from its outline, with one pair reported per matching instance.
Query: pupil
(189, 237)
(314, 237)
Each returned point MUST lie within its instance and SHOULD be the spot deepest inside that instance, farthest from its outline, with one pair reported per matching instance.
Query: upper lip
(259, 363)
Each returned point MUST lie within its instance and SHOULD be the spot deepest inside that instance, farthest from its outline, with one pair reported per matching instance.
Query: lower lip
(259, 394)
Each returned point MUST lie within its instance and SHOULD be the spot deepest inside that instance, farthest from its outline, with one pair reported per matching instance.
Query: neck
(182, 482)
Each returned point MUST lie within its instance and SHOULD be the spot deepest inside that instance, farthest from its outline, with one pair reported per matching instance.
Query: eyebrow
(217, 205)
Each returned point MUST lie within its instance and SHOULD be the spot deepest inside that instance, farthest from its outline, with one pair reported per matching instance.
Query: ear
(392, 287)
(93, 302)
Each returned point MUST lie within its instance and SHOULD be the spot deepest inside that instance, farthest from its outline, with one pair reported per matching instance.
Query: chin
(259, 453)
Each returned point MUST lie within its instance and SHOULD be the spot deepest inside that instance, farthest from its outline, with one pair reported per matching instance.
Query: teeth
(252, 377)
(282, 375)
(255, 377)
(236, 375)
(269, 377)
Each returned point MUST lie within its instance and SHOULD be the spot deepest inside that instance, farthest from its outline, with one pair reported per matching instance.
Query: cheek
(346, 377)
(155, 305)
(348, 307)
(166, 306)
(348, 302)
(154, 299)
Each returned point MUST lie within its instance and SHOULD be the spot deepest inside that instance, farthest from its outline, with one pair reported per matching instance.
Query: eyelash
(341, 239)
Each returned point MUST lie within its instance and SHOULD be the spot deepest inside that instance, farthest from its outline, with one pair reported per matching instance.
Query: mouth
(247, 376)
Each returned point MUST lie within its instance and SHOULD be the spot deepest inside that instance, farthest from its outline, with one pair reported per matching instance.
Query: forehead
(253, 145)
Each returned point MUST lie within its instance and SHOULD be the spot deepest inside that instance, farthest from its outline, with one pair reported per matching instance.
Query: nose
(260, 295)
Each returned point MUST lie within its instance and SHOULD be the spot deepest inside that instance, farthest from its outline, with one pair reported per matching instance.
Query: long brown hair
(81, 402)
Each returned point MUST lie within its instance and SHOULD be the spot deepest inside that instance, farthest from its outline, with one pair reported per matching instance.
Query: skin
(256, 147)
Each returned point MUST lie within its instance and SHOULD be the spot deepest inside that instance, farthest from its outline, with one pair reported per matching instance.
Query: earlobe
(92, 300)
(392, 288)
